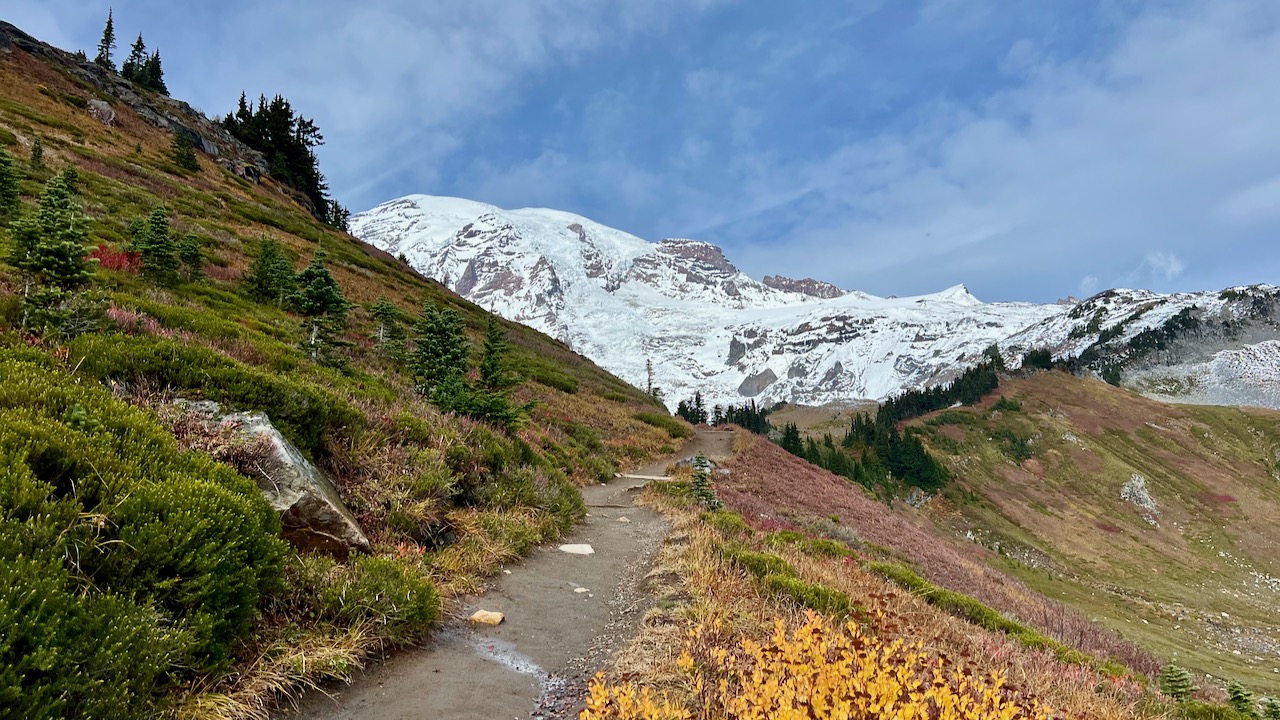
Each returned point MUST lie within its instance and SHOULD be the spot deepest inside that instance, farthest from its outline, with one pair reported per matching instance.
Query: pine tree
(495, 372)
(107, 44)
(49, 251)
(1271, 709)
(319, 299)
(37, 156)
(71, 176)
(389, 337)
(183, 152)
(134, 67)
(440, 349)
(153, 75)
(191, 257)
(1176, 682)
(1241, 699)
(791, 441)
(9, 189)
(271, 276)
(157, 252)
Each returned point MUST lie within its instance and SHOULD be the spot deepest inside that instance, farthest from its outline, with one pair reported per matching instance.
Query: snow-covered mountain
(623, 301)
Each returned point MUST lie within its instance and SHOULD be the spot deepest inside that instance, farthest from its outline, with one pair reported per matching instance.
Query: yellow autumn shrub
(818, 671)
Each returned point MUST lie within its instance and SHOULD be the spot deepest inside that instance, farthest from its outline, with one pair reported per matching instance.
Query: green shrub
(303, 413)
(616, 397)
(1205, 711)
(815, 596)
(674, 428)
(394, 594)
(726, 521)
(1006, 405)
(757, 563)
(124, 561)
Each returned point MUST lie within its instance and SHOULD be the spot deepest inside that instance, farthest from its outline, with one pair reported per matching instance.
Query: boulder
(313, 516)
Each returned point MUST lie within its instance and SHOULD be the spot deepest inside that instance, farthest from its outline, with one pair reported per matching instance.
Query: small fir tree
(71, 176)
(495, 372)
(157, 252)
(440, 352)
(183, 152)
(37, 156)
(1176, 682)
(703, 491)
(9, 188)
(49, 250)
(791, 441)
(107, 44)
(389, 336)
(1271, 709)
(1241, 699)
(271, 276)
(319, 299)
(191, 257)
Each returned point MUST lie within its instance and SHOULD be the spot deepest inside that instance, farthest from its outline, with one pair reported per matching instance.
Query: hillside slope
(707, 326)
(108, 505)
(1156, 519)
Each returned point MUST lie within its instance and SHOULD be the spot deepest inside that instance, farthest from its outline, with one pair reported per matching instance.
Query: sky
(1030, 150)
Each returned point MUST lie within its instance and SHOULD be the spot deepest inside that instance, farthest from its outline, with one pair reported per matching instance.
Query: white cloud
(1112, 160)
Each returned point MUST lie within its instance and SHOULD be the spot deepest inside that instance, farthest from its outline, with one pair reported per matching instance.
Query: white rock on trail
(578, 549)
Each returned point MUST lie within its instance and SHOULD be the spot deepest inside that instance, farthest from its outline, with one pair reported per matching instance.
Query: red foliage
(116, 260)
(766, 480)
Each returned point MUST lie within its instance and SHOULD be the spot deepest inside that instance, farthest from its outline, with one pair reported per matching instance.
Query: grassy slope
(1193, 587)
(399, 463)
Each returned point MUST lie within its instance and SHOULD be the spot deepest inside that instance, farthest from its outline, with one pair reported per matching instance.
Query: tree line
(140, 67)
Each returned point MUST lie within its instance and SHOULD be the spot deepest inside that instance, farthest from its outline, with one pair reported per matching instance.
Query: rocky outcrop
(176, 116)
(313, 516)
(807, 286)
(755, 384)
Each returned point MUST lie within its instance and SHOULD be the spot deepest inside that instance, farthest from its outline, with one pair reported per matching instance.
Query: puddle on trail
(552, 688)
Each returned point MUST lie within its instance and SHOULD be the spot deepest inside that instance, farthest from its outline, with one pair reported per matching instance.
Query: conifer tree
(107, 44)
(71, 176)
(9, 189)
(183, 152)
(133, 67)
(157, 252)
(440, 349)
(49, 251)
(37, 156)
(389, 336)
(191, 257)
(1271, 709)
(1241, 699)
(495, 372)
(320, 300)
(271, 276)
(153, 74)
(791, 441)
(1176, 682)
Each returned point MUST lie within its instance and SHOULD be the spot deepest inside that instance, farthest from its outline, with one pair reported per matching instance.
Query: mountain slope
(144, 572)
(707, 326)
(1156, 519)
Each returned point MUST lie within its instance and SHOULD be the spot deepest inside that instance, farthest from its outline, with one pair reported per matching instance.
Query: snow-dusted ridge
(622, 300)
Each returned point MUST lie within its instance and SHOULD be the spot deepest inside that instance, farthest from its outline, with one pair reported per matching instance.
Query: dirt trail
(565, 616)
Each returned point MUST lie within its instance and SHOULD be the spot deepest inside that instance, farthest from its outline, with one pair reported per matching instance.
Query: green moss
(815, 596)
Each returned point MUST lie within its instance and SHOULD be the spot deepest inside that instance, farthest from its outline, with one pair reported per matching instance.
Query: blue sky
(1030, 150)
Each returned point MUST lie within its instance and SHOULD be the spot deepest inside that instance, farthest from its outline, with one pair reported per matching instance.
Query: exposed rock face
(807, 286)
(314, 518)
(313, 515)
(756, 384)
